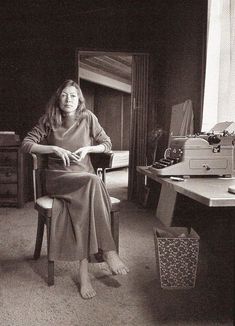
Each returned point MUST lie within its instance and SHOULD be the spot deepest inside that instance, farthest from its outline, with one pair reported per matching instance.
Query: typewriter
(204, 155)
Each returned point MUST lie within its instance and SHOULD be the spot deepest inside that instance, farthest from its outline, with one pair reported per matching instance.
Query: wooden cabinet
(12, 185)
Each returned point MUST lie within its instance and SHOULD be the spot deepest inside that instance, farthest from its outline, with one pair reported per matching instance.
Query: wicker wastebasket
(177, 253)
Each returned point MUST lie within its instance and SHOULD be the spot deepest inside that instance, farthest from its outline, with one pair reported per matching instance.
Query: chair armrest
(98, 160)
(39, 163)
(35, 161)
(101, 160)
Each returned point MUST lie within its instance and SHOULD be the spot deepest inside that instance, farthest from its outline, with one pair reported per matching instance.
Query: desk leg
(166, 204)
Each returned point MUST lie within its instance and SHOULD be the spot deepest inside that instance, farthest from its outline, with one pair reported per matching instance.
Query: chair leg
(115, 228)
(50, 270)
(39, 238)
(50, 279)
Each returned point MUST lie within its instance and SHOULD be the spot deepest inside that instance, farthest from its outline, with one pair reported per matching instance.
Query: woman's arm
(31, 144)
(83, 151)
(100, 137)
(35, 136)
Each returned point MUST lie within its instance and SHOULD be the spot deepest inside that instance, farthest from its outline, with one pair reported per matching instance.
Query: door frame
(86, 51)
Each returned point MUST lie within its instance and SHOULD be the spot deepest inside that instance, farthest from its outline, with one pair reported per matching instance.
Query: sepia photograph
(117, 162)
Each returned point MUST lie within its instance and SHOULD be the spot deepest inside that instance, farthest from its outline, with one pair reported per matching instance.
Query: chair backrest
(100, 162)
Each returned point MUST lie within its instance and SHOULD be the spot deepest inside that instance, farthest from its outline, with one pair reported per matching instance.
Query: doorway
(105, 79)
(115, 86)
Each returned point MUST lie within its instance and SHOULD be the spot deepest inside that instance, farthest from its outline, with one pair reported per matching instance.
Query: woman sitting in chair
(80, 222)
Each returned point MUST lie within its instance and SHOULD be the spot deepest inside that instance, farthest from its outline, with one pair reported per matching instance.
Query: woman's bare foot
(86, 289)
(115, 263)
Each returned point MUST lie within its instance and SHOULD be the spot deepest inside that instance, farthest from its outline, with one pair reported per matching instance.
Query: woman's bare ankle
(86, 289)
(114, 262)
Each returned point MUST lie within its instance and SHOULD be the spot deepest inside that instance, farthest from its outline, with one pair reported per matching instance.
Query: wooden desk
(211, 191)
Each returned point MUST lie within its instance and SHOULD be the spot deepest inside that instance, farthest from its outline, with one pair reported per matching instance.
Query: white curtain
(219, 94)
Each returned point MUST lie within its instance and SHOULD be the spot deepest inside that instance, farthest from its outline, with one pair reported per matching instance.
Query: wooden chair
(43, 204)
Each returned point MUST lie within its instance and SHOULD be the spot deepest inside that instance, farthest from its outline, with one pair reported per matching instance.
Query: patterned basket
(177, 257)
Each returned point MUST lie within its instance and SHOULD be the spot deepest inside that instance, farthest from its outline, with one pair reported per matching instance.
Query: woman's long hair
(53, 115)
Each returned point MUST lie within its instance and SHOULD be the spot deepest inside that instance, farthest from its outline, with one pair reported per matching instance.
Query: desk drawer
(8, 158)
(8, 175)
(8, 190)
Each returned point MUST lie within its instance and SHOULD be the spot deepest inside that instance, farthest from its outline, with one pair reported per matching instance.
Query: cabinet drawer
(8, 174)
(8, 158)
(8, 190)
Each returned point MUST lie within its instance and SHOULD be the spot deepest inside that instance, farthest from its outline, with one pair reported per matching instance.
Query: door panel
(108, 110)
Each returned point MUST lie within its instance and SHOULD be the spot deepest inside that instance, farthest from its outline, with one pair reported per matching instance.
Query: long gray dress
(81, 207)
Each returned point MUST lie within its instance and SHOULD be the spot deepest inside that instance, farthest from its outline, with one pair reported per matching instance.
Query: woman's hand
(66, 155)
(82, 152)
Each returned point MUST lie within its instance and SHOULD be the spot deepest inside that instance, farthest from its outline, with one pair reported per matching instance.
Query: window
(219, 95)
